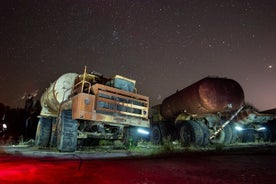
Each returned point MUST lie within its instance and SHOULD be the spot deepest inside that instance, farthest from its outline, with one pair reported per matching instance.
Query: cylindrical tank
(209, 95)
(57, 93)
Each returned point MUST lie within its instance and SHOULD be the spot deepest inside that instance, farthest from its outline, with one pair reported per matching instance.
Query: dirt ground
(247, 165)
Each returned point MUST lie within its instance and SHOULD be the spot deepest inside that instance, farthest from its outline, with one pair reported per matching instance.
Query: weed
(168, 145)
(104, 142)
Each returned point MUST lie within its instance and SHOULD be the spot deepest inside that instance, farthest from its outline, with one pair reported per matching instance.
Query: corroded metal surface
(250, 115)
(57, 93)
(209, 95)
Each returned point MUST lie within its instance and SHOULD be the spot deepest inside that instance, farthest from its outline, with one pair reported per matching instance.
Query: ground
(249, 164)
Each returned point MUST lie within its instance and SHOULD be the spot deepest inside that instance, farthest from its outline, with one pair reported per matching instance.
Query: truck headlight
(239, 128)
(143, 131)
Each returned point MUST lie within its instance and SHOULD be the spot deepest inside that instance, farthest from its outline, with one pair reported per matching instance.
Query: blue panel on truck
(122, 83)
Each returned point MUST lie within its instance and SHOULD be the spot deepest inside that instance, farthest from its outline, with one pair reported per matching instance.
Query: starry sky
(164, 45)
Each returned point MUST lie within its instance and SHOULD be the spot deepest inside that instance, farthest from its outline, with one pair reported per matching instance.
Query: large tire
(235, 135)
(248, 135)
(191, 133)
(156, 135)
(67, 132)
(53, 139)
(43, 132)
(225, 136)
(265, 136)
(228, 134)
(206, 133)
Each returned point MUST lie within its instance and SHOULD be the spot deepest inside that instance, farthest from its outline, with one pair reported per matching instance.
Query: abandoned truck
(250, 125)
(91, 107)
(206, 112)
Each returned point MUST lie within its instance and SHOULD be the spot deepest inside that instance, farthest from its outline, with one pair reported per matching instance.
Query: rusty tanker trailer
(201, 113)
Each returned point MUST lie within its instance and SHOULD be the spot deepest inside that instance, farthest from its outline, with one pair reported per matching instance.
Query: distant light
(270, 66)
(143, 131)
(5, 126)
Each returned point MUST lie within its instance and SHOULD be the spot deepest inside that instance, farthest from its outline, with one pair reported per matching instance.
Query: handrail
(83, 82)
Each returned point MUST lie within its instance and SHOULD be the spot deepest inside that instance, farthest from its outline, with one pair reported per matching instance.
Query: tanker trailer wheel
(235, 135)
(191, 133)
(228, 134)
(265, 136)
(156, 136)
(224, 137)
(43, 132)
(248, 135)
(67, 132)
(206, 133)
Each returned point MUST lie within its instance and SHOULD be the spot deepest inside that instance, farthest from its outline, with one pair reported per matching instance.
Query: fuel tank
(209, 95)
(56, 94)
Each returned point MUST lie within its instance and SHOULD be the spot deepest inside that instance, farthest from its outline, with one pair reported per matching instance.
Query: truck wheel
(234, 132)
(156, 136)
(248, 135)
(53, 139)
(190, 133)
(67, 132)
(265, 136)
(43, 132)
(224, 137)
(228, 134)
(206, 133)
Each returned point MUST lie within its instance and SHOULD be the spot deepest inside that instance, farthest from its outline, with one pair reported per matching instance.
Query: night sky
(163, 45)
